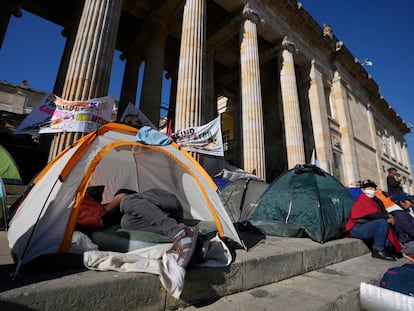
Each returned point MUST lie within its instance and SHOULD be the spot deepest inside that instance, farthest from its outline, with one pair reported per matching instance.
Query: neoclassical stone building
(287, 86)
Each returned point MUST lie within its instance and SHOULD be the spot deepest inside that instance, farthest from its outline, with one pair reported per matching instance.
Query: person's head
(403, 199)
(368, 187)
(392, 171)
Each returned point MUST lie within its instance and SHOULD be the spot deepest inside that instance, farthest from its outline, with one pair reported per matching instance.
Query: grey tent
(241, 196)
(304, 202)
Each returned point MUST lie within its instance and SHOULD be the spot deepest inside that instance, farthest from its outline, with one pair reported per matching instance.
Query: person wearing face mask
(369, 220)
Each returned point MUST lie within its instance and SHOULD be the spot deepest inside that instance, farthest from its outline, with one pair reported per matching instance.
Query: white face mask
(370, 193)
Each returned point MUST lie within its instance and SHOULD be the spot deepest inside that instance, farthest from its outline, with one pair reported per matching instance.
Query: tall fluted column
(172, 74)
(129, 82)
(190, 71)
(150, 103)
(320, 122)
(350, 157)
(91, 59)
(251, 97)
(70, 34)
(291, 111)
(375, 143)
(209, 108)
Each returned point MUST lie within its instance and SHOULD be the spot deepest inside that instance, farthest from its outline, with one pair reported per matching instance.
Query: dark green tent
(304, 202)
(240, 197)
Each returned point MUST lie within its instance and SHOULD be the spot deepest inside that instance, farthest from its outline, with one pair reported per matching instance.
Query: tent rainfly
(304, 202)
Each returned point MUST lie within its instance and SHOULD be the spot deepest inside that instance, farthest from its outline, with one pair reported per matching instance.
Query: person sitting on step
(368, 220)
(404, 223)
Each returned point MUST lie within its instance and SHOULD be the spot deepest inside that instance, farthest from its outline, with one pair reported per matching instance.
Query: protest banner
(54, 115)
(205, 139)
(135, 117)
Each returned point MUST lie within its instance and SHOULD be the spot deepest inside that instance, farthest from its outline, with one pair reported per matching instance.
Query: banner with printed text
(54, 114)
(205, 139)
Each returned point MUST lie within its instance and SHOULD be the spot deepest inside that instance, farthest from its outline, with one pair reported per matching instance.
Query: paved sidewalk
(335, 287)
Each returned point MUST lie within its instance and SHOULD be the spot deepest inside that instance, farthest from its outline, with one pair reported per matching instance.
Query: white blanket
(158, 259)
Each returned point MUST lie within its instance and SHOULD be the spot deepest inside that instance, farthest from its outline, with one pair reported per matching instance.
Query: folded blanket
(159, 260)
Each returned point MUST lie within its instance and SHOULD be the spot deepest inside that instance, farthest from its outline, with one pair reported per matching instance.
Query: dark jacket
(404, 224)
(393, 185)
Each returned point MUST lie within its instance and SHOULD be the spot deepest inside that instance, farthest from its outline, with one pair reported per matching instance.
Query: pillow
(90, 213)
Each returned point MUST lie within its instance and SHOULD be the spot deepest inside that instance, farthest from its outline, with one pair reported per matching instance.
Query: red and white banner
(54, 114)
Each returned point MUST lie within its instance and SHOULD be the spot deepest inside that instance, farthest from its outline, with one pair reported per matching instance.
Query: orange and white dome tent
(46, 218)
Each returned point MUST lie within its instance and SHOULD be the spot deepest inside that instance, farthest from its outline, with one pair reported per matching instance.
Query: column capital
(289, 45)
(160, 21)
(252, 15)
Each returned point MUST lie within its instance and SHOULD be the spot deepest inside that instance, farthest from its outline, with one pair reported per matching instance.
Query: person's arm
(113, 206)
(404, 223)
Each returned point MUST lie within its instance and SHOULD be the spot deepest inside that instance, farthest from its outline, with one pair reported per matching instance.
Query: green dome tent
(9, 171)
(9, 174)
(304, 202)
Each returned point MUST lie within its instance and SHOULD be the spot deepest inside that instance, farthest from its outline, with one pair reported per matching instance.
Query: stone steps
(273, 261)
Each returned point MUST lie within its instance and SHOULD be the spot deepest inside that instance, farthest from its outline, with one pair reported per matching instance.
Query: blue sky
(380, 30)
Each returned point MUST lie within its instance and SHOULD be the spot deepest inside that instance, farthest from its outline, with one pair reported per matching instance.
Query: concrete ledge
(273, 260)
(335, 287)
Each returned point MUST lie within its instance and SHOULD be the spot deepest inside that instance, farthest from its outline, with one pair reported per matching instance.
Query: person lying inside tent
(404, 222)
(369, 219)
(154, 210)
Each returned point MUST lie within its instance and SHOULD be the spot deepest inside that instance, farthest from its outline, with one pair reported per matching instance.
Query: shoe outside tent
(45, 219)
(304, 202)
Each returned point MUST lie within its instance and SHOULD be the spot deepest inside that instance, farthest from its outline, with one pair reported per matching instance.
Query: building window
(226, 135)
(337, 166)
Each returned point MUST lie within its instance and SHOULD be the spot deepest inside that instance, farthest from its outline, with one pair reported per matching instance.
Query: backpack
(399, 279)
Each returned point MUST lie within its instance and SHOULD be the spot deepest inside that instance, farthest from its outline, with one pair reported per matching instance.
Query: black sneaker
(382, 255)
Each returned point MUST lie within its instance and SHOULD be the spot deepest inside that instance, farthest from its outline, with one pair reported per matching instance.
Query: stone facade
(292, 88)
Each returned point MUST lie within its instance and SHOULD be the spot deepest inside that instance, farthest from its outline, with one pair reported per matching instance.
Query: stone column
(407, 165)
(209, 108)
(172, 74)
(374, 140)
(7, 9)
(251, 97)
(406, 157)
(291, 111)
(190, 74)
(70, 34)
(319, 115)
(350, 159)
(129, 82)
(150, 103)
(91, 59)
